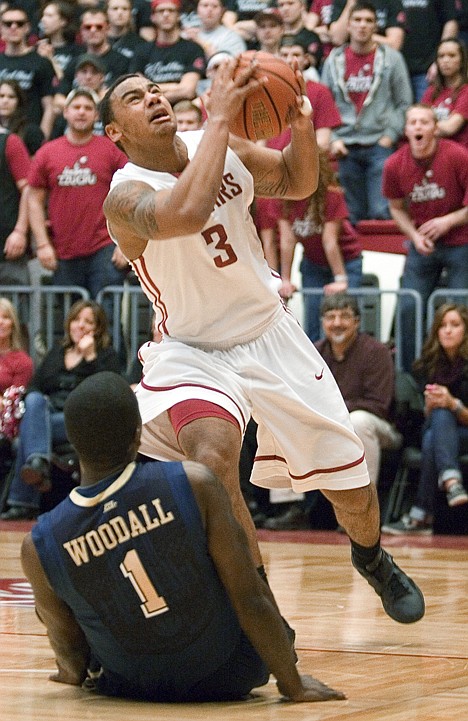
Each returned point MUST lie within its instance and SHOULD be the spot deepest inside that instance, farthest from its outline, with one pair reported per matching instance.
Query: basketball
(265, 112)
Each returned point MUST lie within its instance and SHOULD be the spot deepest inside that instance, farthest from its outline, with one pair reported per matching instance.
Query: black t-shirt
(36, 76)
(168, 63)
(425, 20)
(312, 41)
(67, 54)
(127, 44)
(246, 9)
(141, 13)
(115, 64)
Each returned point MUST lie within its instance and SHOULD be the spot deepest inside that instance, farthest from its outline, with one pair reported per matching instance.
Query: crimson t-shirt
(326, 114)
(17, 157)
(310, 235)
(430, 188)
(77, 179)
(450, 101)
(358, 76)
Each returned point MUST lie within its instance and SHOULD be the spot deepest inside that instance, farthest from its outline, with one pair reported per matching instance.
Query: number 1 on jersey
(132, 568)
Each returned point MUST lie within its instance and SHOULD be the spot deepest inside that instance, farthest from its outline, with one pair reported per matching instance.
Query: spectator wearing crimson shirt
(448, 95)
(332, 257)
(391, 22)
(14, 225)
(69, 180)
(371, 87)
(326, 117)
(318, 19)
(426, 182)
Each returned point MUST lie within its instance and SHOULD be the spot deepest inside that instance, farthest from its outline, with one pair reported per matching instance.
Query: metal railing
(444, 295)
(42, 310)
(130, 314)
(369, 301)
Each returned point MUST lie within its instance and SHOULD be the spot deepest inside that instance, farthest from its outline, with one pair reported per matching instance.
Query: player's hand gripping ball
(265, 113)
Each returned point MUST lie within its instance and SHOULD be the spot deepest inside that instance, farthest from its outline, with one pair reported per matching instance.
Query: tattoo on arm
(133, 204)
(271, 187)
(273, 183)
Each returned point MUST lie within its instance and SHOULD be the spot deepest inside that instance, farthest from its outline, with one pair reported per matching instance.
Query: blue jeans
(316, 276)
(92, 272)
(419, 84)
(444, 440)
(422, 273)
(39, 428)
(360, 175)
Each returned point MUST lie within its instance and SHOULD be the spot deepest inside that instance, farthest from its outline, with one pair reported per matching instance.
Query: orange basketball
(264, 113)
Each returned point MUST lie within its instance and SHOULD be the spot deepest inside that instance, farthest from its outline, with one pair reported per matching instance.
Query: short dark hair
(102, 418)
(363, 5)
(17, 7)
(339, 301)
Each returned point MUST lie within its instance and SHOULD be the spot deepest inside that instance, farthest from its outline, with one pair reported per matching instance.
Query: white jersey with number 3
(212, 288)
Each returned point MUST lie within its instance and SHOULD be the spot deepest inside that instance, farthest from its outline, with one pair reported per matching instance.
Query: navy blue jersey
(129, 556)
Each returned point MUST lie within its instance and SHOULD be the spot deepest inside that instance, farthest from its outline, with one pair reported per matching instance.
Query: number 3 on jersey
(132, 568)
(217, 234)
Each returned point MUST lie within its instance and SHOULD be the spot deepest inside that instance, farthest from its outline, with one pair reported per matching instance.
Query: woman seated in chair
(442, 372)
(16, 369)
(85, 349)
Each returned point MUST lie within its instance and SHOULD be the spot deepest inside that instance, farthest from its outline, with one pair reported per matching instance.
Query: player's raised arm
(141, 120)
(291, 173)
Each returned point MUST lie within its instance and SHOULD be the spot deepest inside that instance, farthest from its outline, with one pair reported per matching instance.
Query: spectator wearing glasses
(363, 369)
(20, 60)
(94, 30)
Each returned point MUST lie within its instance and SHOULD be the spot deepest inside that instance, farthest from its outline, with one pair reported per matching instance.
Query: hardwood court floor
(389, 672)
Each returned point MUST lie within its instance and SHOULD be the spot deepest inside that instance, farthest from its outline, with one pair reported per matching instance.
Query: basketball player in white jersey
(179, 211)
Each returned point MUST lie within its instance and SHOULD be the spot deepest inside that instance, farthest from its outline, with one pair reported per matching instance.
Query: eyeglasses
(18, 23)
(90, 26)
(345, 315)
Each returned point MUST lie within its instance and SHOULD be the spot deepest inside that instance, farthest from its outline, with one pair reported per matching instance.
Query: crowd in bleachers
(365, 66)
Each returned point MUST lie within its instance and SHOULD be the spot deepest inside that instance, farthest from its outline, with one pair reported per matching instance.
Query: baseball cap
(176, 3)
(269, 14)
(89, 59)
(82, 91)
(288, 41)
